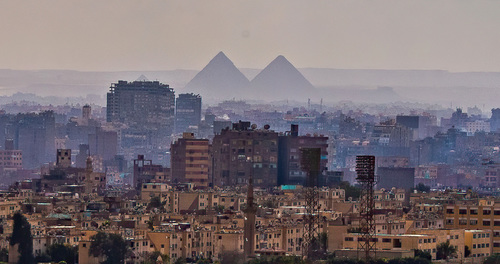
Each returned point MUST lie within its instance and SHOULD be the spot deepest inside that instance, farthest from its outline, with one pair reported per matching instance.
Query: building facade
(187, 111)
(190, 160)
(241, 151)
(290, 145)
(146, 107)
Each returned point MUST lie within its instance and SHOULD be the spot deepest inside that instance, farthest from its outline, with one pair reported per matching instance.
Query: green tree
(350, 191)
(493, 259)
(21, 236)
(466, 251)
(445, 250)
(61, 252)
(155, 202)
(422, 188)
(423, 254)
(111, 246)
(152, 258)
(219, 209)
(278, 260)
(4, 255)
(180, 261)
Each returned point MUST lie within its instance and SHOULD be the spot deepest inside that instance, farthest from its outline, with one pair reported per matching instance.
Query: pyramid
(281, 80)
(219, 79)
(142, 78)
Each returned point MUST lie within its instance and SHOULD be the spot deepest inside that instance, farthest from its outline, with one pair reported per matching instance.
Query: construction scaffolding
(310, 164)
(365, 169)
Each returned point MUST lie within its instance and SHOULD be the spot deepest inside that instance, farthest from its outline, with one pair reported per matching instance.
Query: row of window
(483, 235)
(483, 245)
(472, 222)
(472, 211)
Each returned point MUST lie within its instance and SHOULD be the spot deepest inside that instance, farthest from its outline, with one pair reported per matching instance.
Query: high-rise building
(34, 135)
(190, 160)
(290, 144)
(103, 143)
(10, 159)
(86, 114)
(245, 151)
(187, 111)
(146, 107)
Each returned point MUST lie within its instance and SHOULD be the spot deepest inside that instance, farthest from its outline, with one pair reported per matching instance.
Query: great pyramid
(219, 79)
(281, 80)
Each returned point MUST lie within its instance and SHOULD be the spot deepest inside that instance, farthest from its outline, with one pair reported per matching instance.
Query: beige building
(190, 160)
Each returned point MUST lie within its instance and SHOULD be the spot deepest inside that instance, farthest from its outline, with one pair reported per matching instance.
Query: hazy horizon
(125, 35)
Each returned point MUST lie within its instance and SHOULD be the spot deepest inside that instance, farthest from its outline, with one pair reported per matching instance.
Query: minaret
(88, 176)
(249, 231)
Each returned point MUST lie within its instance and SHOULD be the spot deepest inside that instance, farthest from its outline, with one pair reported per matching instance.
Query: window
(349, 239)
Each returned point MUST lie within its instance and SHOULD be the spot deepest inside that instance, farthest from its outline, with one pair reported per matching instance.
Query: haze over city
(249, 132)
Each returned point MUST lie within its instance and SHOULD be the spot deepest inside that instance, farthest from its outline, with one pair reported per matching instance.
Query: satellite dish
(267, 127)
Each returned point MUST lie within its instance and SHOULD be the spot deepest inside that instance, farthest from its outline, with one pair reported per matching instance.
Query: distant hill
(408, 78)
(280, 80)
(219, 79)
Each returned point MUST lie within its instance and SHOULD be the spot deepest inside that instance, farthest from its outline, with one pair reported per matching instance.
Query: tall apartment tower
(187, 111)
(243, 152)
(290, 145)
(190, 160)
(86, 112)
(146, 107)
(10, 158)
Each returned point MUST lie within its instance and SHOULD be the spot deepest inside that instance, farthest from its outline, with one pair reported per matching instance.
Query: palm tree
(445, 250)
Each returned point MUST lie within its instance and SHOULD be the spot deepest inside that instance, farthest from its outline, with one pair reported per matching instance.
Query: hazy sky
(456, 35)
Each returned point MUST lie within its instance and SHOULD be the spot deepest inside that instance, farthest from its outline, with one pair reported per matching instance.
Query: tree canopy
(21, 236)
(112, 246)
(61, 252)
(445, 250)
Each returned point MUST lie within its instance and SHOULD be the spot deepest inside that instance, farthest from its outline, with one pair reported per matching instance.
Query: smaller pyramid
(142, 78)
(219, 79)
(281, 80)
